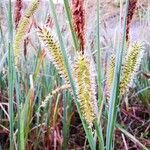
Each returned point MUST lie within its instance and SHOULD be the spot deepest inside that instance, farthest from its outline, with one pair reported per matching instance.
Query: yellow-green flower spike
(85, 93)
(130, 66)
(32, 8)
(110, 74)
(55, 53)
(53, 93)
(22, 28)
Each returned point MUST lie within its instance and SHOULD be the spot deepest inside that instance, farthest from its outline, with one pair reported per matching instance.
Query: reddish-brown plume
(78, 15)
(49, 22)
(18, 7)
(131, 11)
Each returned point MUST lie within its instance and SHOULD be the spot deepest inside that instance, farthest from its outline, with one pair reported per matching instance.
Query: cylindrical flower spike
(109, 74)
(130, 66)
(55, 52)
(53, 93)
(85, 93)
(22, 28)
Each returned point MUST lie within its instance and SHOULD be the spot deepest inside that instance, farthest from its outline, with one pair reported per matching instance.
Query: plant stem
(10, 74)
(114, 97)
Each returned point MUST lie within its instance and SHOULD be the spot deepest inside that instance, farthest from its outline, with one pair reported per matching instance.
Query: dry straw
(131, 11)
(22, 28)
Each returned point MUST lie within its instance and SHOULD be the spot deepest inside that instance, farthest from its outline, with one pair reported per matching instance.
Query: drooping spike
(22, 28)
(54, 51)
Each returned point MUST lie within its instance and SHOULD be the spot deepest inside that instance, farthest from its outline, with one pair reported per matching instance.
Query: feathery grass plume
(78, 14)
(53, 93)
(85, 93)
(17, 13)
(131, 11)
(22, 28)
(130, 66)
(109, 75)
(55, 52)
(49, 22)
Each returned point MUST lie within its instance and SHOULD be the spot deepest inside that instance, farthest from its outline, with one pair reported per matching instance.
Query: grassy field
(74, 75)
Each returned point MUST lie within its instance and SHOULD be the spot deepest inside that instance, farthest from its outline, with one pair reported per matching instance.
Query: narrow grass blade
(73, 33)
(114, 98)
(10, 74)
(99, 67)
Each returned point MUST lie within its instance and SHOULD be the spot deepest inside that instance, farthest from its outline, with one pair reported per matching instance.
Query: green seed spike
(130, 66)
(110, 74)
(53, 93)
(55, 53)
(22, 28)
(85, 92)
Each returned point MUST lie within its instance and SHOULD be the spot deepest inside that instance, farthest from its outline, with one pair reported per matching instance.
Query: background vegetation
(43, 102)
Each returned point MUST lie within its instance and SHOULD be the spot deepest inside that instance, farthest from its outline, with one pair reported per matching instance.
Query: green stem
(114, 97)
(99, 135)
(10, 74)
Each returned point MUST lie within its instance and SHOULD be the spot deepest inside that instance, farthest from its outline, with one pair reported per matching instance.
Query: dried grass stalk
(17, 12)
(78, 14)
(131, 11)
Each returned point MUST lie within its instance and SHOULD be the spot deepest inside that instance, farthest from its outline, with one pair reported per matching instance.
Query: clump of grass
(37, 128)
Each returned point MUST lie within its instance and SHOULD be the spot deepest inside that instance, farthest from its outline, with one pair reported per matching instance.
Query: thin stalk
(73, 33)
(99, 80)
(114, 98)
(131, 137)
(17, 90)
(99, 134)
(10, 74)
(65, 130)
(67, 113)
(99, 67)
(87, 130)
